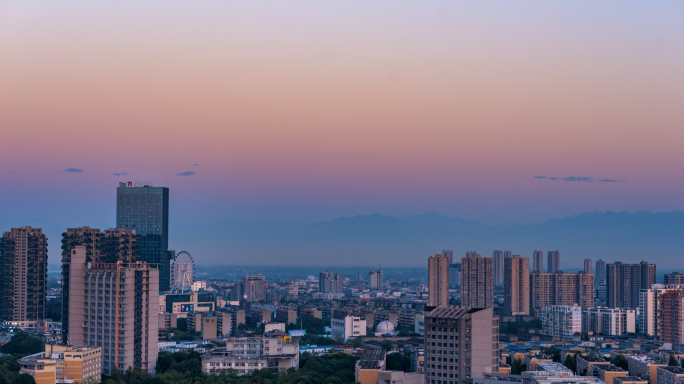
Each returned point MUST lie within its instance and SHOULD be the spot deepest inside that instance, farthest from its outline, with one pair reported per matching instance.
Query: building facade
(561, 320)
(609, 321)
(649, 307)
(345, 326)
(252, 288)
(23, 274)
(477, 282)
(553, 262)
(600, 272)
(587, 266)
(517, 286)
(671, 317)
(455, 275)
(375, 279)
(145, 210)
(624, 281)
(64, 364)
(547, 289)
(438, 280)
(498, 257)
(329, 282)
(538, 261)
(674, 278)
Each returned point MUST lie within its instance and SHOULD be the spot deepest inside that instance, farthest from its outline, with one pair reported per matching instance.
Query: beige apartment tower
(23, 274)
(547, 289)
(477, 282)
(114, 306)
(517, 286)
(438, 280)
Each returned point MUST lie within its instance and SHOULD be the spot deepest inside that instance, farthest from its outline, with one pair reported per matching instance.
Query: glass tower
(145, 209)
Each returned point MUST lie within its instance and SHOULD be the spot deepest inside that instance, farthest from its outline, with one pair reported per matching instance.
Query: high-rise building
(508, 254)
(674, 278)
(587, 266)
(553, 262)
(109, 246)
(547, 289)
(252, 288)
(460, 344)
(477, 282)
(375, 279)
(450, 254)
(561, 320)
(182, 272)
(623, 282)
(145, 210)
(23, 274)
(608, 321)
(538, 261)
(600, 272)
(671, 317)
(498, 257)
(329, 282)
(471, 253)
(455, 275)
(649, 304)
(438, 280)
(114, 306)
(517, 286)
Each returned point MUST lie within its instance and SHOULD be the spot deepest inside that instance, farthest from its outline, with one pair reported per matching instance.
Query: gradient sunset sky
(309, 110)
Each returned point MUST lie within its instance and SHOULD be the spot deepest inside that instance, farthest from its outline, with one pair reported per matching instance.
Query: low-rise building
(561, 320)
(345, 326)
(554, 368)
(587, 363)
(629, 380)
(608, 372)
(670, 375)
(210, 325)
(286, 315)
(64, 364)
(368, 368)
(644, 367)
(398, 377)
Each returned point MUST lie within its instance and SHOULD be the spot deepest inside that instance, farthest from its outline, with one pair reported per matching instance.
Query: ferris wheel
(182, 272)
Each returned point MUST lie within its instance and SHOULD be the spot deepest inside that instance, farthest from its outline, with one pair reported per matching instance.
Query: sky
(306, 110)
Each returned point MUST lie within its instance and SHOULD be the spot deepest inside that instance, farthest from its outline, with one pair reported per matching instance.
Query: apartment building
(644, 366)
(624, 281)
(113, 306)
(252, 288)
(538, 261)
(587, 363)
(607, 373)
(671, 317)
(245, 354)
(329, 282)
(670, 375)
(286, 315)
(369, 366)
(109, 246)
(498, 260)
(516, 286)
(63, 364)
(648, 306)
(375, 279)
(675, 278)
(477, 282)
(553, 259)
(210, 324)
(345, 326)
(561, 320)
(547, 289)
(23, 274)
(460, 344)
(438, 280)
(608, 321)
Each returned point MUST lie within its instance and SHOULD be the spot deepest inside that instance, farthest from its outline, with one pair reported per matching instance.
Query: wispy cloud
(10, 171)
(73, 170)
(120, 174)
(580, 179)
(185, 174)
(195, 165)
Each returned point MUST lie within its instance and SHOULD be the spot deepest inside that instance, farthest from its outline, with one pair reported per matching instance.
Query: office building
(547, 289)
(64, 364)
(561, 320)
(587, 266)
(608, 321)
(329, 282)
(461, 344)
(23, 274)
(553, 261)
(375, 279)
(345, 326)
(649, 304)
(448, 254)
(121, 311)
(671, 317)
(145, 209)
(538, 261)
(517, 286)
(498, 258)
(477, 282)
(674, 278)
(182, 272)
(624, 281)
(455, 275)
(438, 280)
(252, 288)
(600, 272)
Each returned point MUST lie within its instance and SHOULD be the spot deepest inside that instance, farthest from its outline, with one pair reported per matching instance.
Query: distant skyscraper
(538, 261)
(600, 272)
(252, 288)
(455, 275)
(375, 279)
(438, 280)
(498, 257)
(623, 282)
(587, 266)
(508, 254)
(517, 286)
(23, 274)
(145, 209)
(329, 282)
(450, 254)
(560, 288)
(553, 262)
(674, 278)
(477, 282)
(471, 253)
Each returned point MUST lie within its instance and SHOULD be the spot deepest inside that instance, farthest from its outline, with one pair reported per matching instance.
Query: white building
(348, 327)
(648, 307)
(609, 321)
(561, 320)
(420, 324)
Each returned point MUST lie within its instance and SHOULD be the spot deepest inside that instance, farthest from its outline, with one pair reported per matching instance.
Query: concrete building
(448, 254)
(600, 272)
(553, 262)
(607, 373)
(345, 326)
(517, 286)
(671, 317)
(644, 366)
(587, 266)
(608, 321)
(367, 369)
(145, 209)
(624, 281)
(63, 364)
(629, 380)
(561, 320)
(460, 344)
(120, 311)
(398, 377)
(286, 315)
(375, 279)
(329, 282)
(547, 289)
(438, 280)
(670, 375)
(538, 261)
(109, 246)
(498, 258)
(649, 306)
(23, 274)
(210, 325)
(477, 282)
(455, 275)
(252, 288)
(587, 363)
(181, 304)
(245, 354)
(674, 278)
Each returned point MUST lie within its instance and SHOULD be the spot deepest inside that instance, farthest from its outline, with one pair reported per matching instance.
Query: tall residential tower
(538, 261)
(517, 286)
(477, 282)
(553, 262)
(438, 280)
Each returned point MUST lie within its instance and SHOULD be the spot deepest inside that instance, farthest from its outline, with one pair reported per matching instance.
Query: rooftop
(675, 370)
(610, 368)
(593, 359)
(645, 359)
(373, 355)
(618, 380)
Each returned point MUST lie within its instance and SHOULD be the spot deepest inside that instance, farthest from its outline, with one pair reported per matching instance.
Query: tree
(387, 346)
(24, 378)
(182, 324)
(23, 344)
(672, 362)
(399, 361)
(621, 361)
(570, 362)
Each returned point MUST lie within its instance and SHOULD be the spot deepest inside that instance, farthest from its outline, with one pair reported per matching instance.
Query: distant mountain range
(407, 241)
